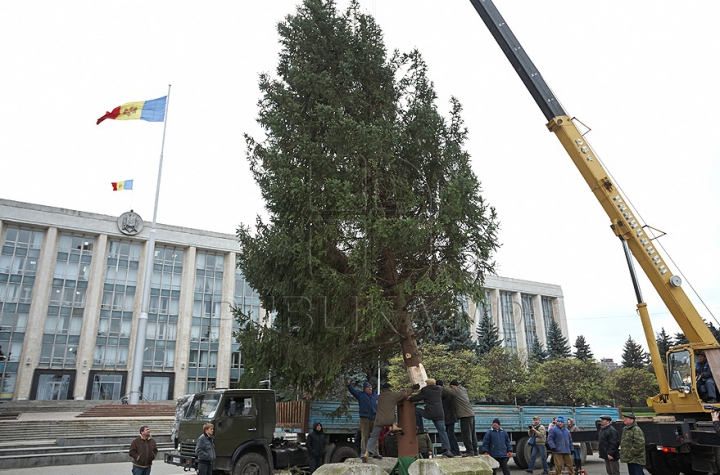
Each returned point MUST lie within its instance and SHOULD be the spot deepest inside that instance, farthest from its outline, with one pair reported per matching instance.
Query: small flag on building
(151, 111)
(122, 185)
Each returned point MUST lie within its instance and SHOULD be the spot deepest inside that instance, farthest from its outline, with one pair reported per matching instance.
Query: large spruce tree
(582, 349)
(557, 344)
(375, 218)
(664, 343)
(487, 335)
(633, 355)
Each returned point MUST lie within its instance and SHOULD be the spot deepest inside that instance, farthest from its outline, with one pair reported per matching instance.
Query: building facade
(71, 284)
(71, 290)
(521, 310)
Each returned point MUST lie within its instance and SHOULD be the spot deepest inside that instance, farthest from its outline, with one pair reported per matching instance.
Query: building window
(205, 327)
(67, 302)
(508, 322)
(116, 309)
(529, 318)
(18, 264)
(548, 314)
(164, 309)
(247, 300)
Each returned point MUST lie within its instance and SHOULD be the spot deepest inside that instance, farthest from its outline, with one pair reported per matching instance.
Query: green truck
(253, 434)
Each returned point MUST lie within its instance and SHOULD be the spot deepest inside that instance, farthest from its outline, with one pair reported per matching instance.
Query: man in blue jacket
(496, 443)
(560, 441)
(367, 409)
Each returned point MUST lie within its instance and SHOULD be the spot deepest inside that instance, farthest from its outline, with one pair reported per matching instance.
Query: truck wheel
(661, 464)
(342, 453)
(522, 453)
(251, 464)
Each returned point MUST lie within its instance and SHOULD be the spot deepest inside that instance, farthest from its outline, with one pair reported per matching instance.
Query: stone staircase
(127, 410)
(49, 433)
(66, 406)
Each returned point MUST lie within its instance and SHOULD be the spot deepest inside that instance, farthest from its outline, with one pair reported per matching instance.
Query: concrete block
(350, 468)
(480, 465)
(385, 463)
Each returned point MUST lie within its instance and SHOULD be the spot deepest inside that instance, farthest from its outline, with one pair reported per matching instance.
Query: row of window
(507, 318)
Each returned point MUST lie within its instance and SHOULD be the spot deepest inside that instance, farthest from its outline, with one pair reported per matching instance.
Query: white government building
(70, 293)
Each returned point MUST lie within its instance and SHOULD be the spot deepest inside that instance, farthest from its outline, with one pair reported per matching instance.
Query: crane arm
(624, 223)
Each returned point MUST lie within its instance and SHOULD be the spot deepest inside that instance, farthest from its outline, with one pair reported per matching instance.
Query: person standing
(205, 450)
(367, 410)
(432, 395)
(464, 411)
(315, 444)
(538, 431)
(609, 446)
(632, 446)
(561, 443)
(496, 443)
(450, 418)
(143, 451)
(387, 401)
(576, 452)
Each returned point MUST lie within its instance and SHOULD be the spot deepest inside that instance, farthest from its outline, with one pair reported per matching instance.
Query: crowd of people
(445, 406)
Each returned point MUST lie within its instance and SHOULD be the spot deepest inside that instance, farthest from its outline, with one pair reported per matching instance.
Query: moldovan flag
(151, 111)
(122, 185)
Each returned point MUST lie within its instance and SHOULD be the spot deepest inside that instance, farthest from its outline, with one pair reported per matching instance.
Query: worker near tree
(497, 445)
(704, 377)
(367, 410)
(560, 441)
(464, 411)
(387, 402)
(609, 446)
(315, 444)
(632, 446)
(431, 394)
(450, 418)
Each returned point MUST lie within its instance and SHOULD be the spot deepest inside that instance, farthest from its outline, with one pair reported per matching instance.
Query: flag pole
(138, 359)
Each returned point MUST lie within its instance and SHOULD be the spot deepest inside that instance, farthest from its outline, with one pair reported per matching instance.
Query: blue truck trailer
(255, 435)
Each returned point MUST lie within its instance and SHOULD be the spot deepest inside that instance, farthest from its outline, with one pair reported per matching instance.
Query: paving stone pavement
(593, 466)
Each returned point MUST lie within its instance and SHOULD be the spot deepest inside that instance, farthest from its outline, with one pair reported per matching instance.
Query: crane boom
(624, 223)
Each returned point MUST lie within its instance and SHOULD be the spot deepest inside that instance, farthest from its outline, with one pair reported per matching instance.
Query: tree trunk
(407, 441)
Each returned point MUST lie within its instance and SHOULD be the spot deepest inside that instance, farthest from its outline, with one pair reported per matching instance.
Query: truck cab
(244, 421)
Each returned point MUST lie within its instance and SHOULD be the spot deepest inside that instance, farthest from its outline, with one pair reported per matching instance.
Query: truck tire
(522, 453)
(251, 464)
(659, 463)
(342, 453)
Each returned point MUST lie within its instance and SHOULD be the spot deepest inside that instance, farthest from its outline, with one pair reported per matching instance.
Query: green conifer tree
(557, 344)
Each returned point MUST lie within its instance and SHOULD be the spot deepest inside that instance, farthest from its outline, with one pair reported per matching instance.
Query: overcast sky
(641, 75)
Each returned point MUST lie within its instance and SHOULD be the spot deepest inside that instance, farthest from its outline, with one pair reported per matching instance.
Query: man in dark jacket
(497, 445)
(609, 446)
(205, 450)
(367, 409)
(561, 443)
(464, 411)
(315, 444)
(705, 377)
(143, 451)
(432, 395)
(450, 418)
